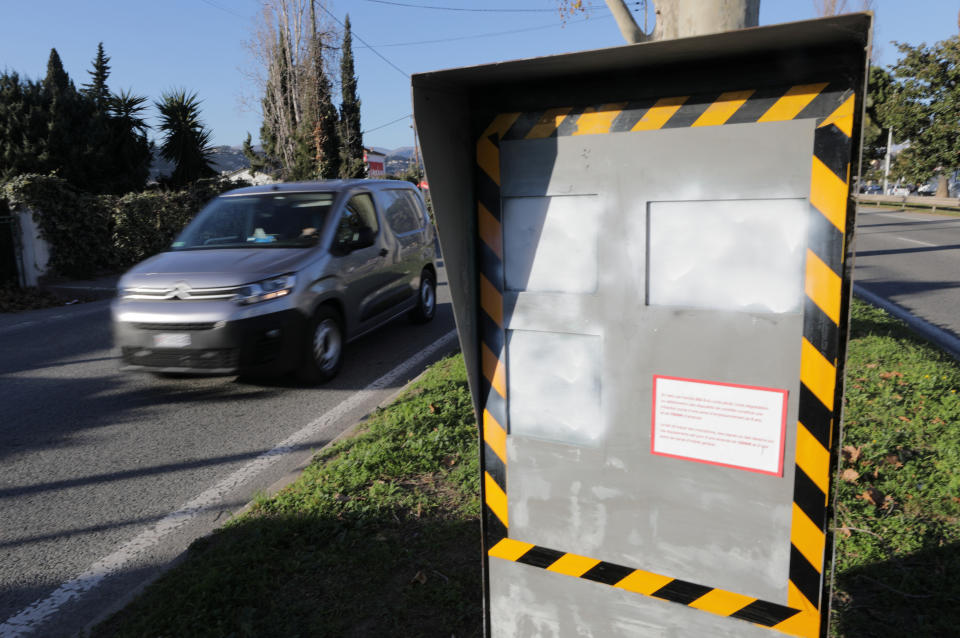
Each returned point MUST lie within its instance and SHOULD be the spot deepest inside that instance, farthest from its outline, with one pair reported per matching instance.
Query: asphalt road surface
(106, 477)
(912, 260)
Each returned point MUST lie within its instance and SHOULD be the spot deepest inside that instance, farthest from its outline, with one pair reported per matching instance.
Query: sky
(200, 45)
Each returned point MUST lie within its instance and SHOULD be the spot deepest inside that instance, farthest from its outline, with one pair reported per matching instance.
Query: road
(912, 260)
(106, 477)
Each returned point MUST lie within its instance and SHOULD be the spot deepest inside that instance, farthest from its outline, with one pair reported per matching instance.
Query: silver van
(277, 278)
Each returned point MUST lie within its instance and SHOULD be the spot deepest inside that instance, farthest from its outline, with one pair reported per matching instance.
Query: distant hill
(224, 158)
(402, 152)
(231, 158)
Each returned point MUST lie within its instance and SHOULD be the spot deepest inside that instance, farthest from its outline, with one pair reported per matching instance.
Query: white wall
(34, 250)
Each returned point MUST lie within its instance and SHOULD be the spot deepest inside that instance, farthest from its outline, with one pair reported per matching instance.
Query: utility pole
(886, 160)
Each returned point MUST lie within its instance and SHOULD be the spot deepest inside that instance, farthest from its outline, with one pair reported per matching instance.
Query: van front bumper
(268, 343)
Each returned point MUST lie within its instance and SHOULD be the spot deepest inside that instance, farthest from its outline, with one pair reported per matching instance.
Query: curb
(937, 336)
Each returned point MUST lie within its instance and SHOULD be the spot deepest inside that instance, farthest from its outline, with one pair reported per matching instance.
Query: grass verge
(380, 536)
(940, 210)
(898, 509)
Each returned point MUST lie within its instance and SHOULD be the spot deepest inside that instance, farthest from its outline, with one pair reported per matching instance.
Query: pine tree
(97, 89)
(351, 139)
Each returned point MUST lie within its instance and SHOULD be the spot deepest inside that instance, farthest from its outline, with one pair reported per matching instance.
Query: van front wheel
(324, 343)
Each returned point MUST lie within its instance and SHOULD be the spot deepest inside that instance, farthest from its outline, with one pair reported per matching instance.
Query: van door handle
(383, 252)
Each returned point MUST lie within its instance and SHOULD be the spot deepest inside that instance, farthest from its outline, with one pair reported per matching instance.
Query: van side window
(400, 212)
(419, 211)
(358, 215)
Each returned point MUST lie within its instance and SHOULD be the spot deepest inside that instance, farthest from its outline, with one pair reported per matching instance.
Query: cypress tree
(319, 131)
(23, 126)
(258, 163)
(62, 152)
(351, 153)
(56, 81)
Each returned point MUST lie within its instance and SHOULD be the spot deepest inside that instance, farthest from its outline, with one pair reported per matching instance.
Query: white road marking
(31, 617)
(916, 241)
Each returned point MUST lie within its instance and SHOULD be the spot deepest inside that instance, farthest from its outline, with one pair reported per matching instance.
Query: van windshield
(274, 220)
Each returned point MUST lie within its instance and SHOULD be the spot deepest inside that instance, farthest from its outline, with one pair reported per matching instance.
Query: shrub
(95, 234)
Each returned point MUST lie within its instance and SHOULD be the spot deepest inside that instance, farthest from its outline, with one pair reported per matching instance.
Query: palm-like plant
(127, 110)
(186, 142)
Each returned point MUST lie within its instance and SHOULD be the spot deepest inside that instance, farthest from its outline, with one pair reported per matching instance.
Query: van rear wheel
(324, 341)
(426, 299)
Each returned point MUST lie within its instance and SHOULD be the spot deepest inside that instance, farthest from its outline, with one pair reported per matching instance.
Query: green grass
(898, 531)
(380, 535)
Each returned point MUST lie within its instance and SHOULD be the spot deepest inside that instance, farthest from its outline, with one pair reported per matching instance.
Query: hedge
(90, 235)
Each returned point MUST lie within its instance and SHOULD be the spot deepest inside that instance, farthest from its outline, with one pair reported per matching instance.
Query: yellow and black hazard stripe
(820, 356)
(806, 101)
(491, 332)
(832, 106)
(639, 581)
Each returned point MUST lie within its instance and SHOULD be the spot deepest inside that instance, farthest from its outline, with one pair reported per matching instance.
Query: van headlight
(267, 289)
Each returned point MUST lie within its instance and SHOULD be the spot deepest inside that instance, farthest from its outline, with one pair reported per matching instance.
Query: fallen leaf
(903, 418)
(449, 460)
(894, 460)
(420, 577)
(433, 409)
(888, 502)
(845, 531)
(872, 496)
(871, 365)
(890, 375)
(850, 453)
(850, 475)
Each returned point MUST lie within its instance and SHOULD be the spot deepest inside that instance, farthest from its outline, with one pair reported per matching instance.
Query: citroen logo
(180, 290)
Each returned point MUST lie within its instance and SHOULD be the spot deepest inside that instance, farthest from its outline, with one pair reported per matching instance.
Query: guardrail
(948, 203)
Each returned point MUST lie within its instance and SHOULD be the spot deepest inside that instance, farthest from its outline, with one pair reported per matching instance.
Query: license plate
(171, 340)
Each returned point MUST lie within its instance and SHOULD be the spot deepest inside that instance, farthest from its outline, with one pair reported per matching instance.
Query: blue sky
(199, 45)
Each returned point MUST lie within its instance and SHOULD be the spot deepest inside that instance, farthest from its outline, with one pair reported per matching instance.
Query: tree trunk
(686, 18)
(942, 186)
